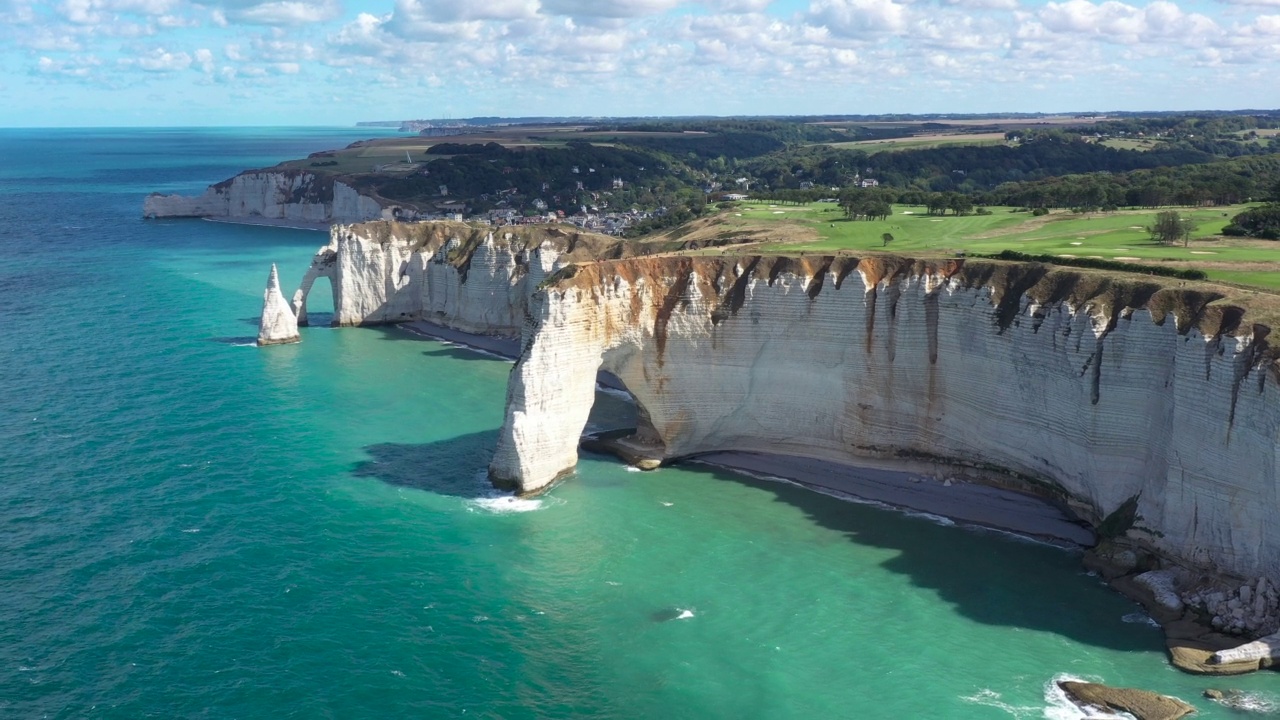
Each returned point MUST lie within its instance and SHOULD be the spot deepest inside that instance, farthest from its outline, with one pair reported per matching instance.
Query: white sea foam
(990, 698)
(191, 530)
(633, 468)
(1138, 618)
(684, 615)
(1057, 706)
(1254, 702)
(505, 504)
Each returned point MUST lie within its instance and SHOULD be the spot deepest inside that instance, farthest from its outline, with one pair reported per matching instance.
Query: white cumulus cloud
(273, 12)
(859, 18)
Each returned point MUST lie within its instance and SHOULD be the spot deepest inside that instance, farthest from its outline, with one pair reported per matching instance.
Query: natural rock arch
(1095, 388)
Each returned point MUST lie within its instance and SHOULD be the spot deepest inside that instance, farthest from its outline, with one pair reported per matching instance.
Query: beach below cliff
(954, 499)
(272, 222)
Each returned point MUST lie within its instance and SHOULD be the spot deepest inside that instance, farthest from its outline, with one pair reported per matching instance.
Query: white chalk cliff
(1094, 388)
(278, 325)
(468, 278)
(275, 195)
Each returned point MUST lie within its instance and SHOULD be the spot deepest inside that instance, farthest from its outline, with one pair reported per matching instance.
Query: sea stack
(279, 326)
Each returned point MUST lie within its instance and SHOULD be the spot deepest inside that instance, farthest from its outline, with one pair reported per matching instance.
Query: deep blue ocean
(192, 527)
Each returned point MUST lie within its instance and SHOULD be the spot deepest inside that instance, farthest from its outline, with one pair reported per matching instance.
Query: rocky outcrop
(278, 325)
(275, 195)
(1142, 704)
(1100, 390)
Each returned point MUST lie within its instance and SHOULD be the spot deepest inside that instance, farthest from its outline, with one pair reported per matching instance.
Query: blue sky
(334, 62)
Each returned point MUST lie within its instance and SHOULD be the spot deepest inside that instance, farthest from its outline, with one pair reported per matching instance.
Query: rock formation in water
(1142, 704)
(1100, 390)
(283, 194)
(278, 326)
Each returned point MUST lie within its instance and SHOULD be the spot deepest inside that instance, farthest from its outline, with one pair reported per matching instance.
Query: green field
(1130, 144)
(1118, 235)
(919, 142)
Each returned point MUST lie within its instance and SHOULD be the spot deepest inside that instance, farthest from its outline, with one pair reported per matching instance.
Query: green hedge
(1098, 264)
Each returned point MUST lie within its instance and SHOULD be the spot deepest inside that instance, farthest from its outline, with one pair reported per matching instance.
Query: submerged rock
(279, 325)
(1142, 704)
(1242, 701)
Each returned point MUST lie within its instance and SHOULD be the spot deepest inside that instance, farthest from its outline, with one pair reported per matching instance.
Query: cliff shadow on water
(970, 571)
(436, 467)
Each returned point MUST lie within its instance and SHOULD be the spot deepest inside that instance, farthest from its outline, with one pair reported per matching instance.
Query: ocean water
(193, 527)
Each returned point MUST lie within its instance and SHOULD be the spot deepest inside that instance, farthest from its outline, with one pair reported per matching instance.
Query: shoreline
(962, 501)
(272, 222)
(504, 347)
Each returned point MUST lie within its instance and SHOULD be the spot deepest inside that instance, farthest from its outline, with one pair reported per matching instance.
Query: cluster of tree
(492, 148)
(563, 178)
(683, 210)
(1260, 222)
(958, 168)
(940, 203)
(1210, 125)
(1170, 228)
(866, 205)
(1224, 182)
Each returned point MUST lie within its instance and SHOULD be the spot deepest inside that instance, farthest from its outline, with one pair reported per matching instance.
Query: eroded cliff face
(464, 277)
(276, 195)
(1096, 387)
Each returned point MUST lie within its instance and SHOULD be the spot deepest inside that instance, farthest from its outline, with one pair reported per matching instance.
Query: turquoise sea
(191, 527)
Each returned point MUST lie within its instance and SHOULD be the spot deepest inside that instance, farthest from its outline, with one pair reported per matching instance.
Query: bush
(1038, 212)
(982, 211)
(1260, 222)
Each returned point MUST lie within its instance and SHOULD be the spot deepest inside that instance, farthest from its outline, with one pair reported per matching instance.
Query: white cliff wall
(1102, 401)
(467, 278)
(276, 195)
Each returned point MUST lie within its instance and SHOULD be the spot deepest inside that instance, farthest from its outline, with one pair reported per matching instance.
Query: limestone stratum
(1146, 406)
